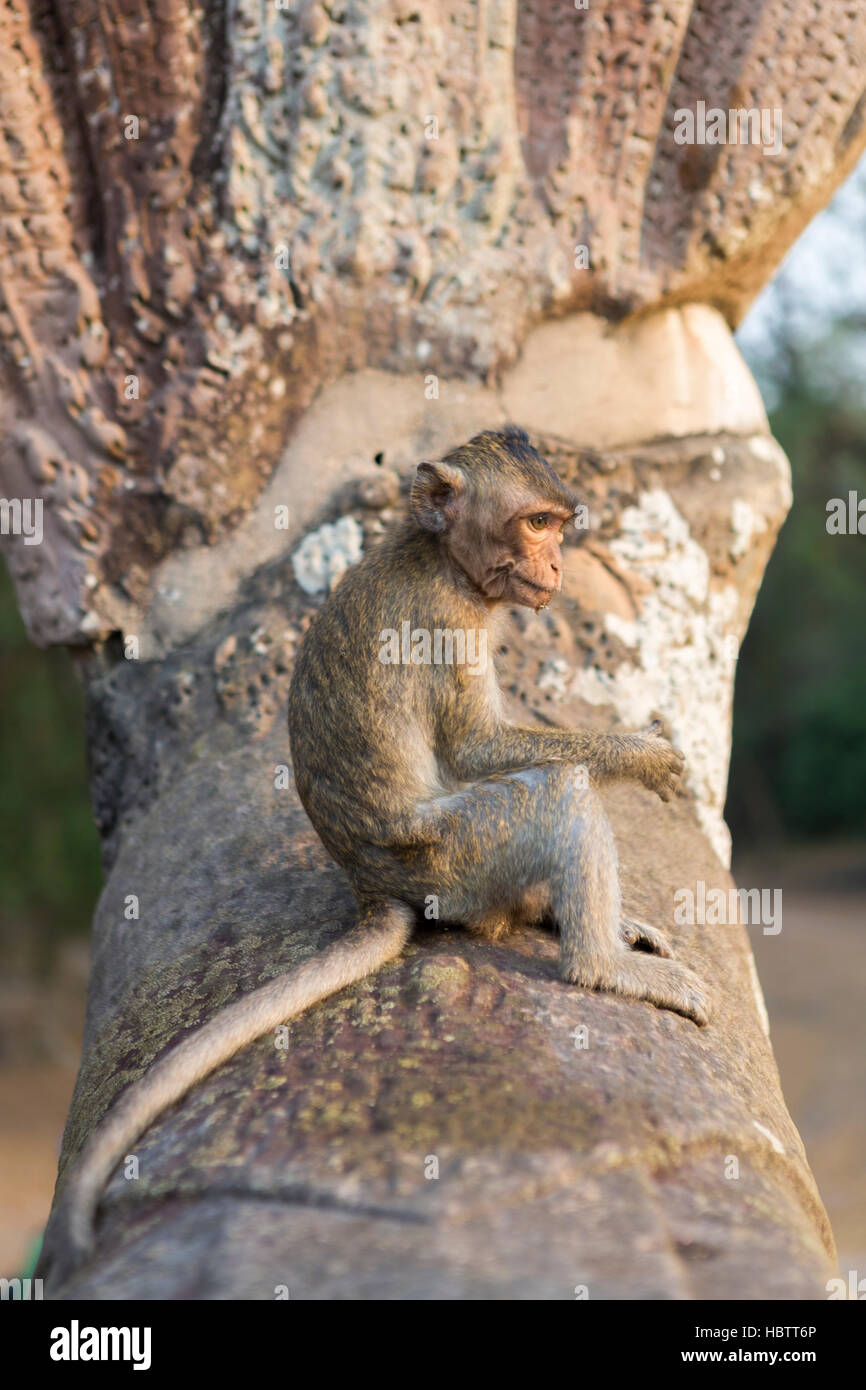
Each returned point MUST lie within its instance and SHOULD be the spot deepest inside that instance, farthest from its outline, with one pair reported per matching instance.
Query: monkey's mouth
(542, 592)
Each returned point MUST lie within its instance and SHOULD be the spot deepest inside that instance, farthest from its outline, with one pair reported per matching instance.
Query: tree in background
(798, 763)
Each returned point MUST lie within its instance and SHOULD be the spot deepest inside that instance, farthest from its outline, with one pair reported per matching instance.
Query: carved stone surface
(207, 214)
(606, 1165)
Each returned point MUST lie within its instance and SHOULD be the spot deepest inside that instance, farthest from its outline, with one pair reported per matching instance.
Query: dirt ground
(814, 979)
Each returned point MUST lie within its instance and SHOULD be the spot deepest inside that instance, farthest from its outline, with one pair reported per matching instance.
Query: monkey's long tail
(379, 937)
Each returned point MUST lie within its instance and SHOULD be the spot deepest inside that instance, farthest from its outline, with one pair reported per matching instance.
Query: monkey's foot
(535, 907)
(531, 910)
(664, 983)
(493, 924)
(639, 936)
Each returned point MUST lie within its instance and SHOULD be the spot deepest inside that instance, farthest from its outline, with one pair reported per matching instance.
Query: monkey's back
(363, 731)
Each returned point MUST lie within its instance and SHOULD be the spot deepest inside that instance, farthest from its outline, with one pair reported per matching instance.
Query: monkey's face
(530, 562)
(502, 524)
(512, 552)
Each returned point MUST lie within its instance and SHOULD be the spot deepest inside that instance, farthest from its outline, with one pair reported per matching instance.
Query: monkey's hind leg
(597, 944)
(502, 835)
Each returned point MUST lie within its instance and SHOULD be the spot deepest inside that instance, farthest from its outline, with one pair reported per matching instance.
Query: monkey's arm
(644, 756)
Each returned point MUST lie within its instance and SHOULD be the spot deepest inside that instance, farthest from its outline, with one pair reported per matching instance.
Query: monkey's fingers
(666, 787)
(667, 782)
(640, 936)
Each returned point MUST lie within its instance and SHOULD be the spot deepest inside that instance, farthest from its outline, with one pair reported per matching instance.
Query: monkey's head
(499, 509)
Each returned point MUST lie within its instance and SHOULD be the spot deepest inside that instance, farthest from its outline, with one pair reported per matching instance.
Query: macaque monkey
(424, 792)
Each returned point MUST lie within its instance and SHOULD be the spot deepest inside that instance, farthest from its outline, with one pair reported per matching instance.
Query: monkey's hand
(659, 765)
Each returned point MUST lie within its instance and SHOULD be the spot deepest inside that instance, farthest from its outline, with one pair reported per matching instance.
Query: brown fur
(421, 789)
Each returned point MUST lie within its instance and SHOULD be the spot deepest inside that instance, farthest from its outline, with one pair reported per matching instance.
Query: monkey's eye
(538, 523)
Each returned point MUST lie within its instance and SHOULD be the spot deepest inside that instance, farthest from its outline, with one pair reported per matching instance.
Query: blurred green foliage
(798, 766)
(49, 850)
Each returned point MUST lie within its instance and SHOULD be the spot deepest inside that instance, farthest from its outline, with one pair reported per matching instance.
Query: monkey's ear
(436, 495)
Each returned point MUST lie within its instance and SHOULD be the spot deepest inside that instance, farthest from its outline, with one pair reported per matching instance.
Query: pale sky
(821, 281)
